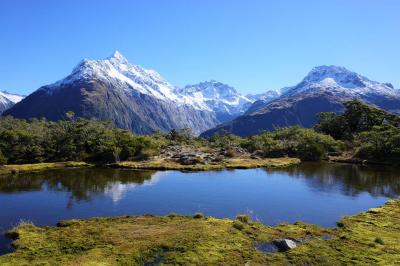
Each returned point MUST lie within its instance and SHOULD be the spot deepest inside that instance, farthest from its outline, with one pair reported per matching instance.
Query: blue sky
(251, 45)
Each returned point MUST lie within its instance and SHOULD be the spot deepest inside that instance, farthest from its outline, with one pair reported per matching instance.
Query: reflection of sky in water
(117, 190)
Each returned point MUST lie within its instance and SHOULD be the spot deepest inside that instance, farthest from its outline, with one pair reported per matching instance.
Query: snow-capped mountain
(225, 101)
(114, 89)
(216, 97)
(135, 98)
(7, 100)
(339, 80)
(117, 69)
(324, 89)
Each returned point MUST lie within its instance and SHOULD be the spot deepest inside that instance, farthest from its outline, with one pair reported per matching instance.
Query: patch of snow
(9, 97)
(215, 96)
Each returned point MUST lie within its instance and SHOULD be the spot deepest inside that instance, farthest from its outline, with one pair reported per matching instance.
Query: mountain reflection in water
(350, 178)
(319, 193)
(86, 184)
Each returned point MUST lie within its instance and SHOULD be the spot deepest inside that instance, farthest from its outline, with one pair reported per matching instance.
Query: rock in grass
(284, 244)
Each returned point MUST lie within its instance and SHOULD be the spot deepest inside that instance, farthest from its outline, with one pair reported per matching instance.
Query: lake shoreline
(370, 235)
(156, 164)
(164, 164)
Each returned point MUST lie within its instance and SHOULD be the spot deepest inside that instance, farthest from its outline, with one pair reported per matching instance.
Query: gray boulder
(284, 244)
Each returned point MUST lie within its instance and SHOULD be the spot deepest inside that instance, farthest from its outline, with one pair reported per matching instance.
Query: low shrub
(243, 218)
(379, 240)
(172, 215)
(230, 153)
(238, 225)
(198, 215)
(305, 144)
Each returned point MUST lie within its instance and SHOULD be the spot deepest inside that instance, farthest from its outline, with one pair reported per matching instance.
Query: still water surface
(319, 193)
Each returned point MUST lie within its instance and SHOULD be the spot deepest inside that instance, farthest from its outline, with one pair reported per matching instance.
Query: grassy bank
(156, 164)
(367, 238)
(16, 168)
(238, 163)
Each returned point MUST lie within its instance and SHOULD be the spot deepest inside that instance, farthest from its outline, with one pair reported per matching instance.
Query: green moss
(183, 240)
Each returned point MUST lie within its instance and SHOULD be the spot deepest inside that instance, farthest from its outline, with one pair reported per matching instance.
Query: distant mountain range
(324, 89)
(221, 99)
(141, 100)
(134, 98)
(7, 100)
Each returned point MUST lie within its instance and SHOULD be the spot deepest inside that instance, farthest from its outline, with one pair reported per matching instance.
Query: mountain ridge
(113, 89)
(324, 89)
(200, 106)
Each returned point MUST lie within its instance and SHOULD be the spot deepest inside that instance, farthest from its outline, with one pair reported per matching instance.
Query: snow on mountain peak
(117, 71)
(13, 98)
(221, 98)
(212, 90)
(118, 56)
(340, 75)
(340, 80)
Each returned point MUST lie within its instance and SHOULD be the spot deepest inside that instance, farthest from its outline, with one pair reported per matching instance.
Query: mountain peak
(331, 69)
(339, 80)
(336, 75)
(117, 56)
(321, 72)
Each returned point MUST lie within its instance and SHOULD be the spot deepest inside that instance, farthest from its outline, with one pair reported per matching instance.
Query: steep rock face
(113, 89)
(7, 100)
(324, 89)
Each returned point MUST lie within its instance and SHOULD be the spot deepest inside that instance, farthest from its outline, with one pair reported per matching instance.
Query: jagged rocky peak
(117, 71)
(113, 89)
(118, 57)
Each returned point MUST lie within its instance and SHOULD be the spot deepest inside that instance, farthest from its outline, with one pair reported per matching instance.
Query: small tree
(3, 159)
